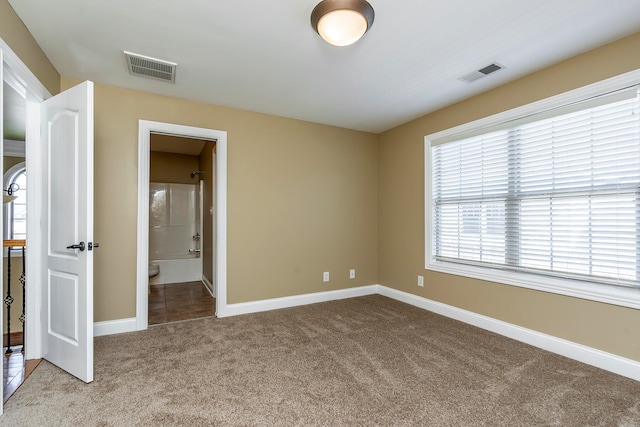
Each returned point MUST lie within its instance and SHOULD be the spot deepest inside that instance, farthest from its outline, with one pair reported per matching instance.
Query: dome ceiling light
(342, 22)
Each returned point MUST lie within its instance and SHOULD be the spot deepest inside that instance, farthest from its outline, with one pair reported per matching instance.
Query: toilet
(154, 270)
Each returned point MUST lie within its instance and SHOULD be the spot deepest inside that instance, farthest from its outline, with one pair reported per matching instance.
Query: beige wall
(302, 199)
(17, 36)
(9, 161)
(173, 168)
(206, 243)
(306, 198)
(401, 213)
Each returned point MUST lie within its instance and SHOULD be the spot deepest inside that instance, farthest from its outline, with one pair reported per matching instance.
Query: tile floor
(180, 301)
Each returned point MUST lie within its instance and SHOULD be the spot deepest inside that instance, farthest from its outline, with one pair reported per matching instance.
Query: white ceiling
(263, 55)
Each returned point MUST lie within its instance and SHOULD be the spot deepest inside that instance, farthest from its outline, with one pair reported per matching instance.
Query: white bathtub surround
(174, 220)
(177, 271)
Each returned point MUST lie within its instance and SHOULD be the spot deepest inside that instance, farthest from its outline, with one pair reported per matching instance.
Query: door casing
(145, 129)
(18, 75)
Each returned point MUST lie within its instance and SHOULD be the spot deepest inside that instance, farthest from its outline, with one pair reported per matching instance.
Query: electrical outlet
(421, 281)
(325, 276)
(352, 273)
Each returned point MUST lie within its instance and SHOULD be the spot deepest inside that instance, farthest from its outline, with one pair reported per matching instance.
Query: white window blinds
(556, 193)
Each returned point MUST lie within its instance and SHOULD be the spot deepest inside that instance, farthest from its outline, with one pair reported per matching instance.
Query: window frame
(626, 297)
(9, 176)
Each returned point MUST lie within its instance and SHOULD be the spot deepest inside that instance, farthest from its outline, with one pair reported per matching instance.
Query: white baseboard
(111, 327)
(208, 285)
(297, 300)
(591, 356)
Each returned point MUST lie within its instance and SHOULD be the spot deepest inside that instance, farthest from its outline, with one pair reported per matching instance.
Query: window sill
(625, 297)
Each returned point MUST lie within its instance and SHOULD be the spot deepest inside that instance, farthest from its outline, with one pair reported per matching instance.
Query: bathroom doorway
(181, 182)
(179, 216)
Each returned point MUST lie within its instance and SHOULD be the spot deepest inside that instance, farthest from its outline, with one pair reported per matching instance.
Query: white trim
(7, 212)
(142, 256)
(131, 324)
(14, 148)
(601, 359)
(22, 75)
(591, 356)
(221, 227)
(21, 79)
(298, 300)
(208, 285)
(609, 85)
(145, 128)
(625, 297)
(111, 327)
(11, 173)
(35, 240)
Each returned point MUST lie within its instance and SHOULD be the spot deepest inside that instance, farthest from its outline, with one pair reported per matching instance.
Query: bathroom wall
(172, 167)
(173, 220)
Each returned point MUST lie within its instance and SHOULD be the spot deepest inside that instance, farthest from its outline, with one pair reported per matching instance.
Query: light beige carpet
(363, 361)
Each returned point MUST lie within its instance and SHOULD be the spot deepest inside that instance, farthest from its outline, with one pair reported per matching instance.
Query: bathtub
(173, 226)
(177, 271)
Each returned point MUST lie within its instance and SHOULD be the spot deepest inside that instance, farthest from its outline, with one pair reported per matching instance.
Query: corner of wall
(18, 37)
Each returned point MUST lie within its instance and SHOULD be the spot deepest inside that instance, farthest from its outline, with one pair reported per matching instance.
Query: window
(16, 212)
(550, 198)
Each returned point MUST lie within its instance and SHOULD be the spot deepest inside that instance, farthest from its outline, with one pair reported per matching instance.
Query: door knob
(93, 245)
(78, 246)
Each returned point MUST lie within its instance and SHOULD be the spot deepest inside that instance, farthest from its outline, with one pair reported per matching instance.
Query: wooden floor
(180, 301)
(16, 340)
(15, 369)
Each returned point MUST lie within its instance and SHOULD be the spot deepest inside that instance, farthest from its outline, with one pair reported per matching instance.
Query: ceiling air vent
(146, 66)
(473, 76)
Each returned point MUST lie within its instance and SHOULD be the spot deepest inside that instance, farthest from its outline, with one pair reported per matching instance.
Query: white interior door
(67, 304)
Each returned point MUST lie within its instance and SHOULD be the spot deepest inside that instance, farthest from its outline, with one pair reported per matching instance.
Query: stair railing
(12, 245)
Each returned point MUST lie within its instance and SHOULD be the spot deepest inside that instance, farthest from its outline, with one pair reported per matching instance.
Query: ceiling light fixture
(342, 22)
